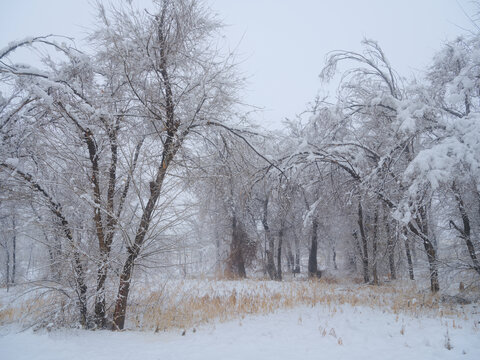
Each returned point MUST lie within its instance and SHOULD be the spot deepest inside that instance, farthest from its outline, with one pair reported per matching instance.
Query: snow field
(299, 333)
(262, 319)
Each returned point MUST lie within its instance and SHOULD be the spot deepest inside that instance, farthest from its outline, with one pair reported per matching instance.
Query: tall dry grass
(188, 304)
(45, 309)
(184, 306)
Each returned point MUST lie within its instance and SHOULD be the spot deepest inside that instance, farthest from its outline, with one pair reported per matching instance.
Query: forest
(136, 162)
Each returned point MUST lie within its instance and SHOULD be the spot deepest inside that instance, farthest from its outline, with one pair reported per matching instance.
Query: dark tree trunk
(432, 262)
(391, 255)
(374, 248)
(7, 265)
(124, 289)
(422, 223)
(279, 253)
(390, 244)
(103, 246)
(408, 253)
(100, 311)
(170, 149)
(366, 277)
(134, 250)
(465, 233)
(81, 289)
(296, 269)
(312, 258)
(334, 257)
(352, 257)
(430, 249)
(105, 236)
(14, 250)
(290, 257)
(217, 252)
(270, 252)
(236, 262)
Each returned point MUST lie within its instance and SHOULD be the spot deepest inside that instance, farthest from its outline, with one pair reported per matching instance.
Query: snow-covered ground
(319, 332)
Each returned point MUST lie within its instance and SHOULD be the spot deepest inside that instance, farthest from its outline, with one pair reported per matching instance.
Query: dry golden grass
(9, 314)
(184, 307)
(36, 311)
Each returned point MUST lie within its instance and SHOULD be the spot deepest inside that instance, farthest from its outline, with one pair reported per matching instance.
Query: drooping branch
(237, 134)
(56, 209)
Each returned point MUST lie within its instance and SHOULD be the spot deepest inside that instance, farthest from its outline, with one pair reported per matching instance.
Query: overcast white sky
(283, 42)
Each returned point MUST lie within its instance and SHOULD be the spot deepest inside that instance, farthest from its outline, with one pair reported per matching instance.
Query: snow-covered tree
(106, 129)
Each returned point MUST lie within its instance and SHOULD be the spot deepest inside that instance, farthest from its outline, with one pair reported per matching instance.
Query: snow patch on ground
(319, 332)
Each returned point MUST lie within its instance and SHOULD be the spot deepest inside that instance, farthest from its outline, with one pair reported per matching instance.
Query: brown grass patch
(188, 304)
(185, 307)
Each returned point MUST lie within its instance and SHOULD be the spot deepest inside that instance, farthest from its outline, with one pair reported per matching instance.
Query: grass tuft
(187, 304)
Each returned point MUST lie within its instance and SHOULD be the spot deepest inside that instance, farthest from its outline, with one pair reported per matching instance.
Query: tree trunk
(334, 257)
(14, 250)
(106, 236)
(133, 252)
(432, 262)
(279, 254)
(7, 265)
(218, 257)
(124, 289)
(465, 233)
(296, 269)
(103, 232)
(390, 244)
(366, 277)
(312, 258)
(374, 243)
(100, 312)
(408, 253)
(270, 252)
(236, 261)
(430, 249)
(170, 149)
(290, 258)
(422, 223)
(81, 288)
